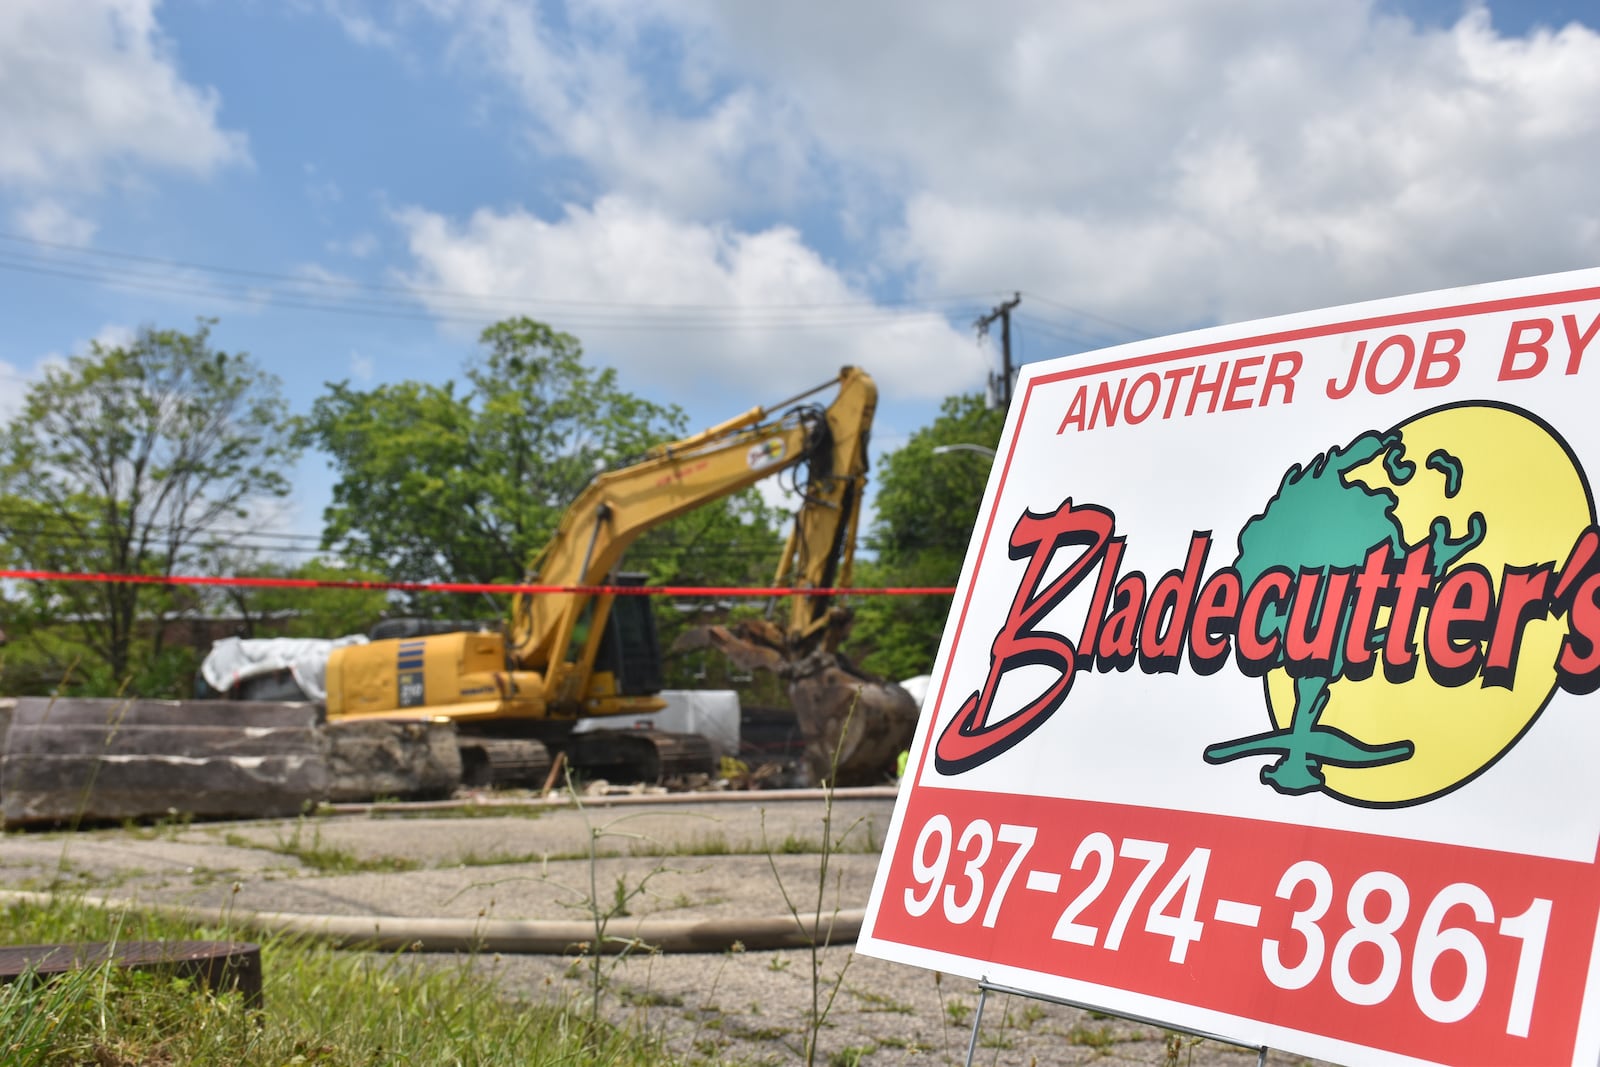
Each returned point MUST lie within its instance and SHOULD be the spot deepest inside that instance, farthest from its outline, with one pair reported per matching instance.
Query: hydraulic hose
(506, 936)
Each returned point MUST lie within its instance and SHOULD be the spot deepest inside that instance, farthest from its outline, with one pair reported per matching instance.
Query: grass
(1179, 1048)
(494, 859)
(823, 991)
(710, 843)
(648, 998)
(317, 855)
(31, 1015)
(1096, 1037)
(323, 1007)
(600, 915)
(314, 854)
(905, 1044)
(873, 1001)
(166, 828)
(717, 844)
(471, 811)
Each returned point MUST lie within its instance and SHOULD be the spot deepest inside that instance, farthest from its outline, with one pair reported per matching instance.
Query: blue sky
(727, 200)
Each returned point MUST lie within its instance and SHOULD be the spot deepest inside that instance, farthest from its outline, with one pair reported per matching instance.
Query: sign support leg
(977, 1021)
(985, 987)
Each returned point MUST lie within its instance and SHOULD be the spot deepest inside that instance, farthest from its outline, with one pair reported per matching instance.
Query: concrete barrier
(76, 761)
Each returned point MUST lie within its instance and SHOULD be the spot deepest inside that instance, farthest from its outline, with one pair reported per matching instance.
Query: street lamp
(940, 450)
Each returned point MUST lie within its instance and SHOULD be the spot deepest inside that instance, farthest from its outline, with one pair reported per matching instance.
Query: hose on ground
(506, 936)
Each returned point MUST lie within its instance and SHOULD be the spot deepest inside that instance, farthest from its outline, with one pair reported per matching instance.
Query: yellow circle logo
(1420, 622)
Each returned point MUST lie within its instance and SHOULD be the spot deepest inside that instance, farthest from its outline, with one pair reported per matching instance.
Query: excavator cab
(630, 651)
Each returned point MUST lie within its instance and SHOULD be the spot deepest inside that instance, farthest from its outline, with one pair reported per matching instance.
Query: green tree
(1314, 523)
(447, 485)
(926, 505)
(274, 611)
(40, 658)
(124, 460)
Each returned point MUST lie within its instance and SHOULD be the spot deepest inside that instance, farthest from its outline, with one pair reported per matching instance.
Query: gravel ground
(731, 859)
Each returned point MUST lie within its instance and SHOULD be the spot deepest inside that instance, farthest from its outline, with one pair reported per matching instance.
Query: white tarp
(917, 687)
(235, 659)
(711, 713)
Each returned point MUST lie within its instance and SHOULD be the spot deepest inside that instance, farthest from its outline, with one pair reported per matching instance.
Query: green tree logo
(1415, 590)
(1318, 522)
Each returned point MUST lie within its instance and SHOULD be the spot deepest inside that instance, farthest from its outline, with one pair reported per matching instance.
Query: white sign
(1265, 707)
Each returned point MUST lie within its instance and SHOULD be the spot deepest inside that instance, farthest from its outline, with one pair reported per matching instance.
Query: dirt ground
(751, 855)
(756, 1007)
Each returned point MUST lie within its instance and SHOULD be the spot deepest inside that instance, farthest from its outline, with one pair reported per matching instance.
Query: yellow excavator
(588, 652)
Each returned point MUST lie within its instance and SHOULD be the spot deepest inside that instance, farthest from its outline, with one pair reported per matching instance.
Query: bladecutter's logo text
(1358, 584)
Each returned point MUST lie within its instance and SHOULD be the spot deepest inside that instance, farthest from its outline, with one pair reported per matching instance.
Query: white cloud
(1360, 162)
(642, 287)
(361, 246)
(323, 192)
(13, 387)
(640, 94)
(15, 381)
(360, 27)
(319, 279)
(88, 89)
(1162, 162)
(51, 221)
(111, 335)
(778, 492)
(362, 367)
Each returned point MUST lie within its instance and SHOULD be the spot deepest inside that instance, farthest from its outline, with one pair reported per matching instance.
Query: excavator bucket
(855, 727)
(855, 724)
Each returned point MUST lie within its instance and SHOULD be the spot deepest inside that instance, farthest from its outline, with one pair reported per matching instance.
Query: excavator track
(501, 762)
(650, 756)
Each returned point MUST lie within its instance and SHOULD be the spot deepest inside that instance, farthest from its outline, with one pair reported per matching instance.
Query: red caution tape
(470, 587)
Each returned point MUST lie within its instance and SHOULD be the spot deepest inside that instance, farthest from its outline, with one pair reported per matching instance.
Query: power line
(347, 296)
(409, 290)
(1136, 333)
(1064, 332)
(493, 589)
(659, 547)
(410, 302)
(622, 322)
(44, 523)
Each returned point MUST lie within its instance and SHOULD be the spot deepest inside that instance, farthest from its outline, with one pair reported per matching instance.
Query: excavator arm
(854, 724)
(560, 632)
(546, 668)
(820, 552)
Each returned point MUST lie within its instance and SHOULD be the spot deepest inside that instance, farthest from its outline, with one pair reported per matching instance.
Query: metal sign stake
(985, 987)
(977, 1020)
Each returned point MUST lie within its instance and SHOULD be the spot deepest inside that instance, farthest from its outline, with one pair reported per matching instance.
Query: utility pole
(1000, 386)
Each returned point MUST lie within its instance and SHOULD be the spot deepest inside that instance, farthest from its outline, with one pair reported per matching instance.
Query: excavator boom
(618, 506)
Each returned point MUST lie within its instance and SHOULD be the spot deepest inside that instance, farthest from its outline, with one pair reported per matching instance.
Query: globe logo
(1432, 567)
